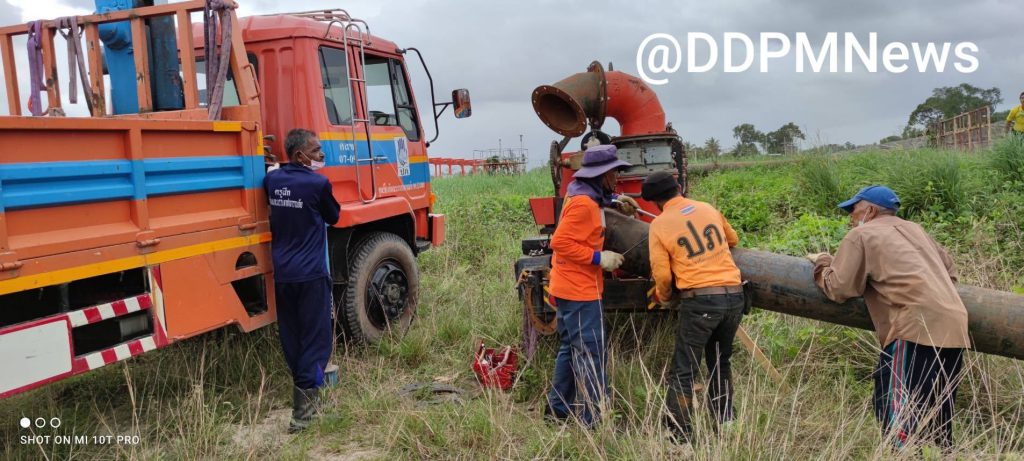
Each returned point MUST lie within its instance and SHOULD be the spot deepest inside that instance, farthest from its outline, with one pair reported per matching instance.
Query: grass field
(227, 395)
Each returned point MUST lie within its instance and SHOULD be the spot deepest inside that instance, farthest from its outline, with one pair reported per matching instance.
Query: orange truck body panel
(175, 201)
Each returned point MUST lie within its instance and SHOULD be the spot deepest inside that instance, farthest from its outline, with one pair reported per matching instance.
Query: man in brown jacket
(907, 281)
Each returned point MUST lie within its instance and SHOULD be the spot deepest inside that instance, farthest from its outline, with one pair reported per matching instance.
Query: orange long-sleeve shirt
(579, 234)
(690, 241)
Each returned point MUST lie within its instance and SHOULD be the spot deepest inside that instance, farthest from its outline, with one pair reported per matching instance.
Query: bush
(925, 180)
(1007, 158)
(810, 233)
(820, 183)
(752, 199)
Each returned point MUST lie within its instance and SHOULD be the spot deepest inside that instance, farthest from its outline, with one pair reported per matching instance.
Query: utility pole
(521, 157)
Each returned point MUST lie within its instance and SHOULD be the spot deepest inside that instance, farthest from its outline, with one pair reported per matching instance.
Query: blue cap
(878, 195)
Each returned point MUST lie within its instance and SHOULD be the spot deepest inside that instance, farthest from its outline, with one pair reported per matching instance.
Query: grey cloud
(502, 50)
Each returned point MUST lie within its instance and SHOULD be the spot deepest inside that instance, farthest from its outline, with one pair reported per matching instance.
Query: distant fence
(439, 163)
(968, 131)
(439, 166)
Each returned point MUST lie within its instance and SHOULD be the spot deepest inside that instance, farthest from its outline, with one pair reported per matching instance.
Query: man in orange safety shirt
(689, 244)
(580, 384)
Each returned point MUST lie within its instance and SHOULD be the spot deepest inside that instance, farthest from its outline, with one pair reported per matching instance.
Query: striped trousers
(915, 386)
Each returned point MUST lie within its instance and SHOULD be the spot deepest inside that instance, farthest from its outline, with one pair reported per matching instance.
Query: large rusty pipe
(588, 97)
(785, 284)
(628, 237)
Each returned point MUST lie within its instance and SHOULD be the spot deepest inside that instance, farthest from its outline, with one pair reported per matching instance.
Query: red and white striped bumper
(41, 351)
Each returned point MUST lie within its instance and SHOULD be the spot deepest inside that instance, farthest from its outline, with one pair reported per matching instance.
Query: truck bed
(127, 186)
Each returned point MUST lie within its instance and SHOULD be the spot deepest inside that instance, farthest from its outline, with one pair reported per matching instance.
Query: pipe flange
(578, 124)
(597, 118)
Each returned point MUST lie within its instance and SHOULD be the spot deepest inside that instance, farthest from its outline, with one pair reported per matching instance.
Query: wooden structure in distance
(968, 131)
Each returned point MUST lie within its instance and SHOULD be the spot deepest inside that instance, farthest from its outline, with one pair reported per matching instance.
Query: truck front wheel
(383, 289)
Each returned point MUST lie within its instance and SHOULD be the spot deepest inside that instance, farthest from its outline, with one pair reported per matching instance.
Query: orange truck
(123, 233)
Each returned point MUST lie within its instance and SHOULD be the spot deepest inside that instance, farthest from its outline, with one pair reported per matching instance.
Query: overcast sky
(501, 51)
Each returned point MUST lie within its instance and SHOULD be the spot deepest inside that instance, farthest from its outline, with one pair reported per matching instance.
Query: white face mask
(860, 223)
(313, 164)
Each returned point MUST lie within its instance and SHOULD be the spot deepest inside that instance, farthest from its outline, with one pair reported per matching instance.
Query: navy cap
(658, 185)
(878, 195)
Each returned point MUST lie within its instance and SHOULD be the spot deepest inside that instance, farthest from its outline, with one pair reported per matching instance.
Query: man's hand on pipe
(626, 205)
(813, 257)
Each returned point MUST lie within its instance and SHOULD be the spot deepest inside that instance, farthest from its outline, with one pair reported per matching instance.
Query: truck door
(392, 112)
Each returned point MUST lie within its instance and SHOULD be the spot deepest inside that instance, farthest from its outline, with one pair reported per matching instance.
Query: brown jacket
(906, 279)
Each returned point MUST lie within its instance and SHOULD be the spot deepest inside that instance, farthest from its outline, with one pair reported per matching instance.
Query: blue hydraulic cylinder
(118, 54)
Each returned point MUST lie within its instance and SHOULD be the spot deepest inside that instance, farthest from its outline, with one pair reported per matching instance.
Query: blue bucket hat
(878, 195)
(598, 160)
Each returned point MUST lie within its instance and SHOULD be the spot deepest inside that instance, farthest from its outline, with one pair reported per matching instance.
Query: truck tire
(383, 289)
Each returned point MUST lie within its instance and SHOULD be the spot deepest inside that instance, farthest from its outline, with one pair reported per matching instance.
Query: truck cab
(325, 72)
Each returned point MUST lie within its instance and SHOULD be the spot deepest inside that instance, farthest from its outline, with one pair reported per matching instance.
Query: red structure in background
(488, 166)
(438, 163)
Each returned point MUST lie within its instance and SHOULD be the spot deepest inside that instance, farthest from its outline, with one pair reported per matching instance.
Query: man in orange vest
(689, 244)
(577, 282)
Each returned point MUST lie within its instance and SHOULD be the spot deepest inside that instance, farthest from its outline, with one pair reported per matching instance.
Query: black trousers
(915, 386)
(706, 330)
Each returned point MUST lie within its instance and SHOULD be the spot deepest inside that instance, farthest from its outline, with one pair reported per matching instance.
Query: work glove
(662, 304)
(627, 205)
(813, 257)
(610, 260)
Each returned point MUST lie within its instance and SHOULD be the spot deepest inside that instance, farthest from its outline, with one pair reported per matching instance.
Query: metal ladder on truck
(356, 78)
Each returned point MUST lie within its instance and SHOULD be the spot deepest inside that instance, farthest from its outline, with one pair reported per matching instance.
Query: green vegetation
(226, 395)
(1008, 159)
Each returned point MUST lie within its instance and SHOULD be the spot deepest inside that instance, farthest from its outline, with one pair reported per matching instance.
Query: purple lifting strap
(217, 60)
(74, 40)
(35, 67)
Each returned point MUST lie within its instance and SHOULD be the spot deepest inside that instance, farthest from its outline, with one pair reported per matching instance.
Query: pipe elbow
(634, 105)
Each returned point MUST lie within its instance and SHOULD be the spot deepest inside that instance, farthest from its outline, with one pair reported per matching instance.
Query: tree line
(751, 141)
(944, 102)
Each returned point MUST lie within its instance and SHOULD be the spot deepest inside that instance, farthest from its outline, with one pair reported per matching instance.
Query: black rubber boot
(552, 417)
(306, 405)
(680, 408)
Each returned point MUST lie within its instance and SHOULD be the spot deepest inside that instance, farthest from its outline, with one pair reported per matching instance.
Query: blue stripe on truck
(343, 153)
(28, 185)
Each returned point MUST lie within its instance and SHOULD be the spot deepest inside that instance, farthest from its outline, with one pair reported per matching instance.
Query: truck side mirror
(463, 107)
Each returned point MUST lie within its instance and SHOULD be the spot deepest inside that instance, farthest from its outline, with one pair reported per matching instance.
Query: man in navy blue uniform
(302, 205)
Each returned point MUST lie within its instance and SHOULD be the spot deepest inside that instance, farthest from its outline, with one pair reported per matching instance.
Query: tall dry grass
(226, 395)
